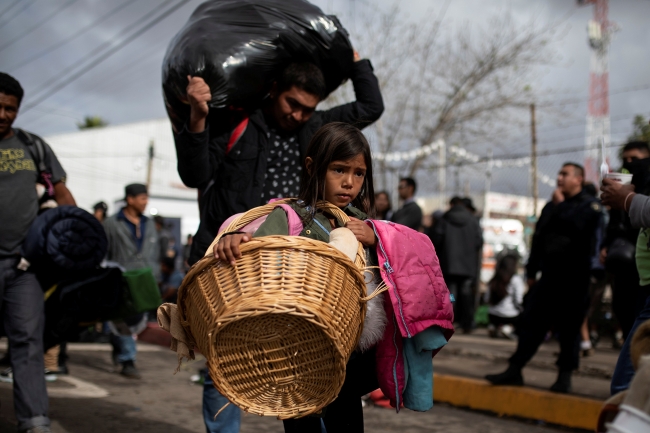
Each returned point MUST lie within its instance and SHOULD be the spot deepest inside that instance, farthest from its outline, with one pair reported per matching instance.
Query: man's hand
(198, 95)
(227, 249)
(356, 57)
(558, 197)
(603, 256)
(615, 194)
(362, 231)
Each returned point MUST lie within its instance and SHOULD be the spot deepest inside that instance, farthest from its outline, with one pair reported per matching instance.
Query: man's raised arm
(369, 104)
(193, 141)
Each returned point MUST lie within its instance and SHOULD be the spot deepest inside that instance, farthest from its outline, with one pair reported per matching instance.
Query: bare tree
(463, 85)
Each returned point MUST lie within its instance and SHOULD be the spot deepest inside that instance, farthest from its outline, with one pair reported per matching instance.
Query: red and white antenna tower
(597, 137)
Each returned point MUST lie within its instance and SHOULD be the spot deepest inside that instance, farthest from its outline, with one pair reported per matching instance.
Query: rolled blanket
(169, 319)
(67, 238)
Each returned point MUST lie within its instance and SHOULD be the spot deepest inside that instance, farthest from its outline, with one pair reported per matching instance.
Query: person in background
(410, 214)
(186, 253)
(22, 167)
(100, 210)
(562, 251)
(618, 252)
(382, 206)
(166, 241)
(637, 206)
(598, 278)
(458, 240)
(133, 244)
(171, 280)
(505, 297)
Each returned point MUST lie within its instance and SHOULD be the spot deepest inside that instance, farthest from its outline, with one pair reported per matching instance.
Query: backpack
(36, 149)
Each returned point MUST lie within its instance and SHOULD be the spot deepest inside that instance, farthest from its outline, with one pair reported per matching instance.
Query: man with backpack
(242, 160)
(25, 161)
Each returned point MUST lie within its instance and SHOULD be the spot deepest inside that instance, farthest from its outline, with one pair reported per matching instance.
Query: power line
(96, 51)
(106, 55)
(5, 10)
(37, 25)
(26, 4)
(61, 43)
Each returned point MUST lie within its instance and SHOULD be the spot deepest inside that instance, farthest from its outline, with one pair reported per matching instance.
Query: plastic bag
(239, 46)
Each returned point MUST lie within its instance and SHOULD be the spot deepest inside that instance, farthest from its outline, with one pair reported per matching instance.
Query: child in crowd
(505, 296)
(338, 169)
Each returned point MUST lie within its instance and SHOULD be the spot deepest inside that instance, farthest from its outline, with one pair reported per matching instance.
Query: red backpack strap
(237, 133)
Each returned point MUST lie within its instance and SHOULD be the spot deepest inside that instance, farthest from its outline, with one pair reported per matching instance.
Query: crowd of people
(286, 148)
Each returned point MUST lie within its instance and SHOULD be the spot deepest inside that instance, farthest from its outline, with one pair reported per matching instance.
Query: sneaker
(512, 376)
(563, 382)
(586, 348)
(129, 370)
(7, 375)
(508, 331)
(38, 429)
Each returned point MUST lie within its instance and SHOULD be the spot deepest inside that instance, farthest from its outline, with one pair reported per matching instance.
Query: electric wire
(37, 25)
(68, 80)
(5, 10)
(65, 41)
(26, 4)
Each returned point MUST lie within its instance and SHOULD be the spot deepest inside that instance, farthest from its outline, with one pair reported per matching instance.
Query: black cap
(135, 189)
(101, 205)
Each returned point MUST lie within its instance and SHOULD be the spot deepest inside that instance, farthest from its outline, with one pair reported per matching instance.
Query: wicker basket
(278, 327)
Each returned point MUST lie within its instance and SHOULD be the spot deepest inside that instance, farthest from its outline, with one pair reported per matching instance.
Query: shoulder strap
(33, 142)
(237, 133)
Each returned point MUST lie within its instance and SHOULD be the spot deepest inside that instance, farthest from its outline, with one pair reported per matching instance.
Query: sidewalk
(462, 364)
(475, 355)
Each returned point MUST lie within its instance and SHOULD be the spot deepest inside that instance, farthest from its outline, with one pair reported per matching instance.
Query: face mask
(640, 170)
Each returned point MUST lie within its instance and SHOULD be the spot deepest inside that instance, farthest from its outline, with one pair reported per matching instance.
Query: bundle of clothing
(62, 241)
(64, 248)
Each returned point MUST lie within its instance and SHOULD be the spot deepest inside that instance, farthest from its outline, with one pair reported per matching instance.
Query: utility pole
(150, 166)
(488, 184)
(442, 173)
(533, 158)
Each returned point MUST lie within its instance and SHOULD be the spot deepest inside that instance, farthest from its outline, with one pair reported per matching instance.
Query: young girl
(337, 168)
(505, 296)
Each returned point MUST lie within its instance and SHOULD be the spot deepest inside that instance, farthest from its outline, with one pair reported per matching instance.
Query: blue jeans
(228, 420)
(126, 349)
(624, 371)
(21, 302)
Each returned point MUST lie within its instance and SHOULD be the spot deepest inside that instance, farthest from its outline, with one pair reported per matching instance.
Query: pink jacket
(419, 298)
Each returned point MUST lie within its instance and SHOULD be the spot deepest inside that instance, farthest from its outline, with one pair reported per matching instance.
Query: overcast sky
(126, 86)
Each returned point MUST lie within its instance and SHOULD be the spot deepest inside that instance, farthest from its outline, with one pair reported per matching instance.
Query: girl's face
(344, 180)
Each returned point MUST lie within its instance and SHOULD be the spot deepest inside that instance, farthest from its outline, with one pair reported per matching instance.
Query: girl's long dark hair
(336, 141)
(498, 285)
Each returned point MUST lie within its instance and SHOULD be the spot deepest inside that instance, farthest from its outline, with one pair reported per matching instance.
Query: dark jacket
(122, 247)
(233, 183)
(409, 215)
(459, 237)
(564, 239)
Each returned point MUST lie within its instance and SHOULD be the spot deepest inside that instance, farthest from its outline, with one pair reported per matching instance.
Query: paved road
(95, 399)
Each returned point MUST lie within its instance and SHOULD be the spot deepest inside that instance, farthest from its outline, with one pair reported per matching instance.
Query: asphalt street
(94, 398)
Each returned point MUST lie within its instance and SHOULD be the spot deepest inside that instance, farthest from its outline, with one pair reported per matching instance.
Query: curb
(561, 409)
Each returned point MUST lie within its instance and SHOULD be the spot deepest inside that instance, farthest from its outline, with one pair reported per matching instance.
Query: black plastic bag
(239, 46)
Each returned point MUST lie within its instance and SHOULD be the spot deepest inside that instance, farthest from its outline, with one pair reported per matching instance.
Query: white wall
(101, 161)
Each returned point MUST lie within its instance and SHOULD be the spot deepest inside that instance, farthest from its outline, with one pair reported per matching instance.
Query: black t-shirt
(18, 198)
(283, 167)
